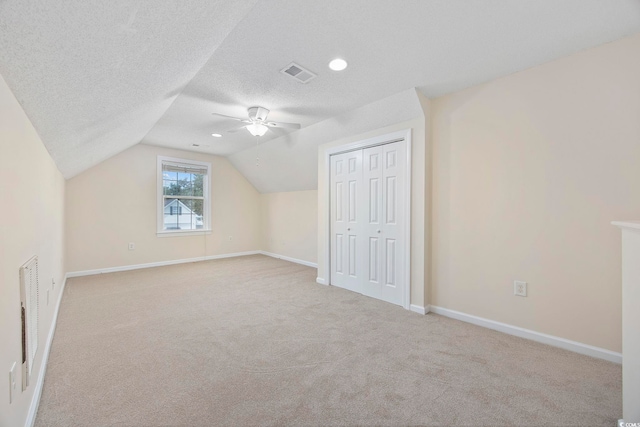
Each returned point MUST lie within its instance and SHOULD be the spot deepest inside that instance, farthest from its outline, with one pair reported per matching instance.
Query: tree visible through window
(184, 195)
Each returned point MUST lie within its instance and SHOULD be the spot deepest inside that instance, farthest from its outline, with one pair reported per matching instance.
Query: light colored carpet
(255, 341)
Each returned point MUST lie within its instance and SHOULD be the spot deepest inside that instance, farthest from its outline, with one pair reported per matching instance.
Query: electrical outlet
(12, 382)
(132, 246)
(230, 237)
(519, 288)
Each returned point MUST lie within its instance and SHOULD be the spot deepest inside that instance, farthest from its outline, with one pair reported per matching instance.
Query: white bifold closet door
(346, 220)
(368, 192)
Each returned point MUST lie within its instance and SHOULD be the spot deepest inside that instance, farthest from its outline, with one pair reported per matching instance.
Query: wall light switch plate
(12, 383)
(519, 288)
(132, 246)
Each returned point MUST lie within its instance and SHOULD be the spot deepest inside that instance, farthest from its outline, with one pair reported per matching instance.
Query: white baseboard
(574, 346)
(418, 309)
(321, 281)
(184, 261)
(157, 264)
(286, 258)
(37, 391)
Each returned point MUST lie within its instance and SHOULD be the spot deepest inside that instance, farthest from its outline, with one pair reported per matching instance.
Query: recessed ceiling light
(216, 135)
(338, 64)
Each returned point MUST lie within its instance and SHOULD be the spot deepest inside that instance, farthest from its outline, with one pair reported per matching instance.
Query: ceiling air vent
(298, 72)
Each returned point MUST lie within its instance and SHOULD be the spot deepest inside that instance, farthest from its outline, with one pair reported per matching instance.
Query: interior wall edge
(290, 259)
(37, 393)
(34, 226)
(529, 171)
(289, 226)
(574, 346)
(81, 273)
(418, 309)
(115, 204)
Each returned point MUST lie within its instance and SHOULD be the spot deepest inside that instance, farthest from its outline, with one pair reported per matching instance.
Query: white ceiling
(96, 77)
(290, 162)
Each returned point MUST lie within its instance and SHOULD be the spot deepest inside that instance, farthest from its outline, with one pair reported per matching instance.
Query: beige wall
(31, 223)
(529, 171)
(419, 201)
(630, 320)
(114, 203)
(290, 224)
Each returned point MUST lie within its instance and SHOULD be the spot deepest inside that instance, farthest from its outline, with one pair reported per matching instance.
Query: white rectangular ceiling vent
(298, 72)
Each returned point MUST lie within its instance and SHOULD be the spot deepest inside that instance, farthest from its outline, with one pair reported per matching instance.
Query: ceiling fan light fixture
(257, 129)
(338, 64)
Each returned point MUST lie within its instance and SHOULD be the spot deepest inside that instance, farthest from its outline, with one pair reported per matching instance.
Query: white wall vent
(29, 307)
(298, 72)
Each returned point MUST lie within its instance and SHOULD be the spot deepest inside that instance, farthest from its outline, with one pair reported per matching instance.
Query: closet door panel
(346, 204)
(393, 222)
(373, 182)
(368, 234)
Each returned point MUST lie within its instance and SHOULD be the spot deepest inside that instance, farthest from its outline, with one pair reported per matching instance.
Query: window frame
(206, 203)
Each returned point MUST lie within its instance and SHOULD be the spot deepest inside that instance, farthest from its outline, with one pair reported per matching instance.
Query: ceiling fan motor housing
(258, 114)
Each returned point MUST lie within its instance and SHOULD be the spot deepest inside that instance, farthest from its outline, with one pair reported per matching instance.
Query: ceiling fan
(257, 123)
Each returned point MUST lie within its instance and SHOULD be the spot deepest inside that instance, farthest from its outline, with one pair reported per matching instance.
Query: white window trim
(206, 190)
(182, 233)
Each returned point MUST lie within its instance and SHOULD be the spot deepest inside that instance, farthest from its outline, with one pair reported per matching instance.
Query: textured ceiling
(96, 77)
(391, 46)
(290, 162)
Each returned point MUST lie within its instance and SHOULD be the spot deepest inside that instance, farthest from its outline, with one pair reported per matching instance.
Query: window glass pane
(188, 216)
(169, 175)
(181, 182)
(180, 187)
(170, 187)
(189, 185)
(183, 214)
(171, 219)
(198, 184)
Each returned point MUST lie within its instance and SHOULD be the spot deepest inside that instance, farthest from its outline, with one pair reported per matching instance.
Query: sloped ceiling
(290, 162)
(96, 77)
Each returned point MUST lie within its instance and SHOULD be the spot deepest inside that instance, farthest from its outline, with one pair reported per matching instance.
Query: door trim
(403, 135)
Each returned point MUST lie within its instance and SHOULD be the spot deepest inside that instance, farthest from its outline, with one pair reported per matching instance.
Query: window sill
(184, 233)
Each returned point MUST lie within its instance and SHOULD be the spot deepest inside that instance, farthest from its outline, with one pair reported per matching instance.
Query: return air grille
(298, 72)
(29, 306)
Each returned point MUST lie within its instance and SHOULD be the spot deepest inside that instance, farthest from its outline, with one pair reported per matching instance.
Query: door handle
(348, 229)
(378, 231)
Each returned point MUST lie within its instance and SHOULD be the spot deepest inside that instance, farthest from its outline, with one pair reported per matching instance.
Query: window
(183, 196)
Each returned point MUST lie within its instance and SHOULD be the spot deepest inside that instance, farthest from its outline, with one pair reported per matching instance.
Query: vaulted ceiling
(97, 77)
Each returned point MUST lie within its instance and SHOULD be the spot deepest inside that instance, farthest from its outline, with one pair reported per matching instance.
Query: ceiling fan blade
(231, 117)
(283, 125)
(234, 130)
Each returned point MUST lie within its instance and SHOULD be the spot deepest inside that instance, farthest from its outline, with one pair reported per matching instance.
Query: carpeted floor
(255, 341)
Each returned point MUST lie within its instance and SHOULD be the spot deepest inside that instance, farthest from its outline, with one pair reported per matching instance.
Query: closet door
(383, 173)
(368, 230)
(373, 241)
(393, 229)
(346, 220)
